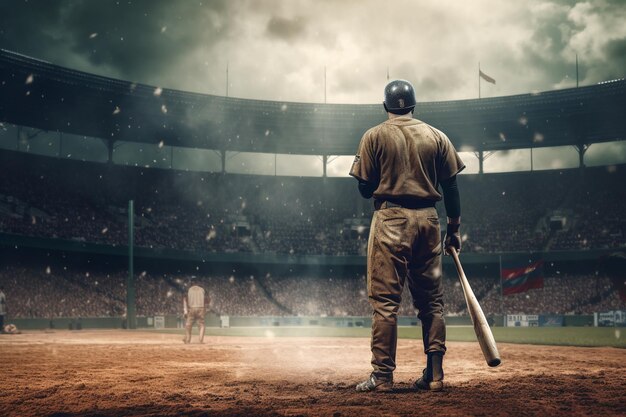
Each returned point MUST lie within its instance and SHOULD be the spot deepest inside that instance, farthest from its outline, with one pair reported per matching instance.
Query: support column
(324, 163)
(582, 149)
(482, 157)
(223, 155)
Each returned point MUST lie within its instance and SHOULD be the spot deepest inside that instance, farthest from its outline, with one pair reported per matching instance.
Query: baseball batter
(194, 307)
(402, 162)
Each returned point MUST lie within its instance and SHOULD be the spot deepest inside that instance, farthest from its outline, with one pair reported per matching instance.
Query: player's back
(409, 154)
(195, 297)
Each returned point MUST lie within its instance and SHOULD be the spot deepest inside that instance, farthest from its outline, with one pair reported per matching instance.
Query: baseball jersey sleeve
(450, 163)
(364, 167)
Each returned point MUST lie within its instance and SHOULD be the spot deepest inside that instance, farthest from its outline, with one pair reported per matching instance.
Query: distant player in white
(3, 308)
(194, 307)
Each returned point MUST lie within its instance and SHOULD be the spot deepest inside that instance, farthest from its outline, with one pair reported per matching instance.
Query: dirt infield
(115, 373)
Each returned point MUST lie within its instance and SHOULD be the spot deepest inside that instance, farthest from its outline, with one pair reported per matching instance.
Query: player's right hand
(452, 239)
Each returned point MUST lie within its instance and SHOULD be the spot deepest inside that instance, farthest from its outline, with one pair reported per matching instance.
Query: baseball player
(402, 162)
(3, 307)
(194, 307)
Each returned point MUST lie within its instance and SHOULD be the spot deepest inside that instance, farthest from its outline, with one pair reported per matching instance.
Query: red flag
(521, 275)
(486, 77)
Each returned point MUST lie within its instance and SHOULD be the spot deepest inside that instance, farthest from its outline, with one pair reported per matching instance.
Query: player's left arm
(367, 189)
(449, 166)
(452, 202)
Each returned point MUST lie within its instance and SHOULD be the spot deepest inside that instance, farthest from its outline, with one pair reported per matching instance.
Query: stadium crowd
(204, 213)
(71, 291)
(235, 213)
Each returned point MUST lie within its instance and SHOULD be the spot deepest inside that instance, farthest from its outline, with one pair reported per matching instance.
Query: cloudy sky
(278, 50)
(281, 50)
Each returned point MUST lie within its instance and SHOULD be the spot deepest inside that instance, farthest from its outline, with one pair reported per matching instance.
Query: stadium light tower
(131, 316)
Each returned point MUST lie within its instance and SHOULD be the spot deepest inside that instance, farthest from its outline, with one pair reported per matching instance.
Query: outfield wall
(212, 320)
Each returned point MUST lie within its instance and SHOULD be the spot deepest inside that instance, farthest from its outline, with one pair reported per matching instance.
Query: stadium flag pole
(130, 283)
(478, 79)
(324, 84)
(576, 70)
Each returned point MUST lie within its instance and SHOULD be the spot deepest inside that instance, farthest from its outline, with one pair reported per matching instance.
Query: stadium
(114, 194)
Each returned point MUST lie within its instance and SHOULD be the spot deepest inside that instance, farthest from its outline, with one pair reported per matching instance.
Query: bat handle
(455, 257)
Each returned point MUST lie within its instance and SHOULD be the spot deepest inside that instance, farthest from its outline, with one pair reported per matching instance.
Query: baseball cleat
(375, 384)
(424, 384)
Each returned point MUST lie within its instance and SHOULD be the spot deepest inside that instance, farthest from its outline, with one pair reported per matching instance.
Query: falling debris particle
(163, 29)
(538, 137)
(158, 91)
(105, 230)
(161, 144)
(117, 110)
(163, 109)
(48, 270)
(29, 79)
(93, 35)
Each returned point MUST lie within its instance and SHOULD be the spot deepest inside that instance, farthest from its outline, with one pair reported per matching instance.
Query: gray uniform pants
(404, 245)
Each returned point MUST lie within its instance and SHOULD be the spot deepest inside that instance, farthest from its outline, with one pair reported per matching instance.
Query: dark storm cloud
(277, 50)
(27, 27)
(139, 38)
(285, 29)
(132, 39)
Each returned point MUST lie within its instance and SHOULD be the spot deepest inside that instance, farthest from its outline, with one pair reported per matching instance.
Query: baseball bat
(481, 327)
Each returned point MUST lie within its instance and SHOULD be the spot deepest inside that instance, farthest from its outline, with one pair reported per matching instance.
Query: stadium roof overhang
(45, 96)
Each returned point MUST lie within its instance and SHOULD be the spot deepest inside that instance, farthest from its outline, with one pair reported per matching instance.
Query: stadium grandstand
(76, 147)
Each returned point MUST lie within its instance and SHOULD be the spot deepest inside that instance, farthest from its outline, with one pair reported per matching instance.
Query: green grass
(566, 336)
